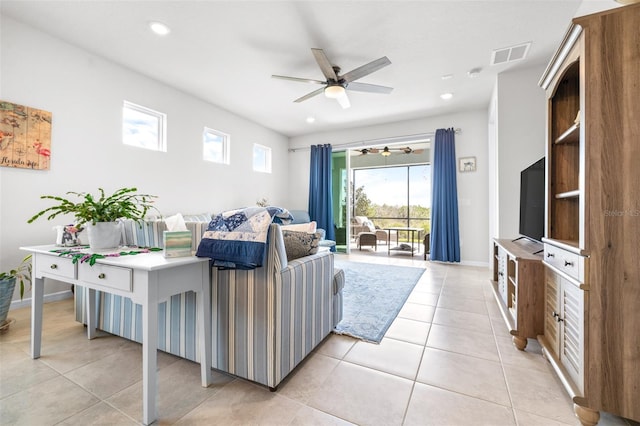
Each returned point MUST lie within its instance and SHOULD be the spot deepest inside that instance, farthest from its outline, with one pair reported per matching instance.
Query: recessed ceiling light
(447, 77)
(159, 28)
(446, 96)
(310, 119)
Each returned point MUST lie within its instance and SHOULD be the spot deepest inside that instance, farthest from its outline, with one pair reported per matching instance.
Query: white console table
(147, 279)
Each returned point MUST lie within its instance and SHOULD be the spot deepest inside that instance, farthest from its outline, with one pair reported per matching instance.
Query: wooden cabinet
(519, 287)
(564, 325)
(592, 279)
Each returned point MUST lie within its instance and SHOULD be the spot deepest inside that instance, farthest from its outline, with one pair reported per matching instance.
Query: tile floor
(446, 360)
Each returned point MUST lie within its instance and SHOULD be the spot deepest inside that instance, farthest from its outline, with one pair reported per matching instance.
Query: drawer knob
(54, 266)
(551, 255)
(102, 276)
(567, 263)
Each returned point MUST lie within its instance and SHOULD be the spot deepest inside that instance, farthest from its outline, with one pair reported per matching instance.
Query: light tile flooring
(446, 360)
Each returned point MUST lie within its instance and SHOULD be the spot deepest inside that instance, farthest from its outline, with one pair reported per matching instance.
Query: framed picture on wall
(25, 137)
(467, 164)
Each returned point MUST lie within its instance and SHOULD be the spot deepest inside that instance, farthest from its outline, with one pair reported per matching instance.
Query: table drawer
(565, 261)
(55, 266)
(107, 276)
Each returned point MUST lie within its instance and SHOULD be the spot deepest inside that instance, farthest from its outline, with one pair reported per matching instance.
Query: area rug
(373, 295)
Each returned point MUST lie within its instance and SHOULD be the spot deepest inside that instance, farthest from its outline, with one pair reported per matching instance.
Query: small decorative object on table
(67, 235)
(177, 243)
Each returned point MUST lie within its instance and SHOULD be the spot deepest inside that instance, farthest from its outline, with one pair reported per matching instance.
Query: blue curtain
(445, 236)
(320, 192)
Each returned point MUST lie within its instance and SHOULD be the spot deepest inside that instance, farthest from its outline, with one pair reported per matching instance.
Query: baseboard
(53, 297)
(474, 263)
(463, 263)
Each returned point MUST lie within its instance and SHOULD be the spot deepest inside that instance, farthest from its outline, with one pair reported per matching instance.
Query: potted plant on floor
(99, 215)
(21, 274)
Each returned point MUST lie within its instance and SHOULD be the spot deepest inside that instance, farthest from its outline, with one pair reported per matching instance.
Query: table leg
(149, 350)
(204, 335)
(37, 295)
(92, 321)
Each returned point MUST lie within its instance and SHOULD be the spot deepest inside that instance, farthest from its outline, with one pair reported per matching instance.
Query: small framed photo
(467, 164)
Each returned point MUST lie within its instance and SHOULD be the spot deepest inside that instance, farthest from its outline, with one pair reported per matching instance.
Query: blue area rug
(372, 297)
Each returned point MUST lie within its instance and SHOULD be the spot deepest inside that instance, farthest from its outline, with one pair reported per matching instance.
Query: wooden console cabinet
(518, 285)
(592, 282)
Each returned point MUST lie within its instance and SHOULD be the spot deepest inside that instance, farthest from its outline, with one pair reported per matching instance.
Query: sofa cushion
(300, 216)
(301, 227)
(299, 244)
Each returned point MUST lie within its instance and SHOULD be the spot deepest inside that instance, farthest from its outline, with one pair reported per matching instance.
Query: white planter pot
(104, 235)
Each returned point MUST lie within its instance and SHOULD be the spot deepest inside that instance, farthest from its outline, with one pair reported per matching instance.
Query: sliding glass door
(395, 196)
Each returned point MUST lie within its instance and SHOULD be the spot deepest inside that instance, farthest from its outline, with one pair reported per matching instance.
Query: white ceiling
(225, 52)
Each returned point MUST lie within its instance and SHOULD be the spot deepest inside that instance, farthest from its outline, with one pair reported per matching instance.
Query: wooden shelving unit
(591, 309)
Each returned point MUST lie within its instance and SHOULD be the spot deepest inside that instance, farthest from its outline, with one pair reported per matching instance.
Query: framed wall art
(25, 137)
(467, 164)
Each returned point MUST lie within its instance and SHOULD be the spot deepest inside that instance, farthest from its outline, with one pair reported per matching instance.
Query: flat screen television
(532, 196)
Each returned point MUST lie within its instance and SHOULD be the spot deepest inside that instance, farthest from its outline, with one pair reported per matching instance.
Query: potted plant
(8, 280)
(100, 214)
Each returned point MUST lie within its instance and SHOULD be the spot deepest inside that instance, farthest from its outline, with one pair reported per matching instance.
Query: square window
(143, 127)
(215, 146)
(261, 158)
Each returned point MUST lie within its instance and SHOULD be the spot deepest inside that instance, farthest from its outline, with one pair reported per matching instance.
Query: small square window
(215, 146)
(261, 158)
(143, 127)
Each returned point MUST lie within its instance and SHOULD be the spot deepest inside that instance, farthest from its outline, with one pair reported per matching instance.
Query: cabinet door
(552, 311)
(572, 331)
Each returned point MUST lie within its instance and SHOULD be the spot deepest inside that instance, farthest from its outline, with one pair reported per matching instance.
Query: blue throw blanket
(237, 239)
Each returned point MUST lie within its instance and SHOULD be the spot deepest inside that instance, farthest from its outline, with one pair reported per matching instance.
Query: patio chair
(367, 239)
(360, 224)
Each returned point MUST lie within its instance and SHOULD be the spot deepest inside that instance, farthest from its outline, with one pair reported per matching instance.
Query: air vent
(510, 54)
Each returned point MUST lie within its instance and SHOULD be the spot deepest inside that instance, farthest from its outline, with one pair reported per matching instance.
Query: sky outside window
(389, 185)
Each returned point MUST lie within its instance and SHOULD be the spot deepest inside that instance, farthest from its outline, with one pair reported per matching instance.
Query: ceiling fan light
(385, 152)
(334, 92)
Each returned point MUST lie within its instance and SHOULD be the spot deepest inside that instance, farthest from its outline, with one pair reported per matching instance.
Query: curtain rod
(420, 137)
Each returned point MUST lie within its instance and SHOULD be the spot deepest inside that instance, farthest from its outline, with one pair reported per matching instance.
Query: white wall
(85, 95)
(472, 187)
(520, 140)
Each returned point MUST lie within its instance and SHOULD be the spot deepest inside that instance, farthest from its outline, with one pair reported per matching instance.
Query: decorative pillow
(301, 227)
(300, 244)
(369, 225)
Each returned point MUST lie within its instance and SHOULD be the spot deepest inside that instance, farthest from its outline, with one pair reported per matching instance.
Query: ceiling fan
(336, 84)
(387, 151)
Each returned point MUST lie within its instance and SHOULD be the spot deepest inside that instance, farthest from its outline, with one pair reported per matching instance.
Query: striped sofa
(264, 321)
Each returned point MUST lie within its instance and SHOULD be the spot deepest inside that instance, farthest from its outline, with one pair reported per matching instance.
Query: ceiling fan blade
(344, 101)
(418, 151)
(301, 80)
(370, 88)
(325, 65)
(310, 95)
(366, 69)
(374, 150)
